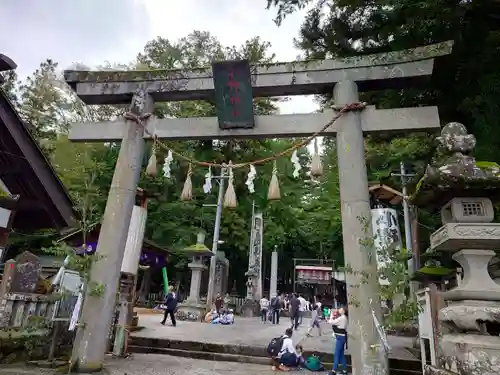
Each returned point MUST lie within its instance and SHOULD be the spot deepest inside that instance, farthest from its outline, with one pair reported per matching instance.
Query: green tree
(48, 104)
(9, 83)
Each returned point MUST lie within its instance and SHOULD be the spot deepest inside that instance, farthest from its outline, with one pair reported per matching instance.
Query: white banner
(76, 312)
(135, 237)
(386, 233)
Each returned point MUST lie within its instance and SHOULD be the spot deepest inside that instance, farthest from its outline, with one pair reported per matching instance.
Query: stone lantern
(192, 308)
(463, 188)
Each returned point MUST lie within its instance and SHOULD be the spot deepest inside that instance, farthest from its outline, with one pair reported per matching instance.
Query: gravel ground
(154, 364)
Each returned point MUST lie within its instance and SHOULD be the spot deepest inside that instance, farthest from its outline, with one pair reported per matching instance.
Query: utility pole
(405, 177)
(215, 243)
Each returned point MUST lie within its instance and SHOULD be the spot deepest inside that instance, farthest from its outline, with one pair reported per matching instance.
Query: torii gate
(346, 77)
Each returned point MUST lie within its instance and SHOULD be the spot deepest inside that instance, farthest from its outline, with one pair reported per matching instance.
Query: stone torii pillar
(130, 265)
(366, 73)
(91, 339)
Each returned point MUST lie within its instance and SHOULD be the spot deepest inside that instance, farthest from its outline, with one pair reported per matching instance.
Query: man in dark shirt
(276, 304)
(294, 311)
(171, 306)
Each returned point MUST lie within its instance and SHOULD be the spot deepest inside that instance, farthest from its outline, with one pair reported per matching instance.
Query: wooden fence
(21, 311)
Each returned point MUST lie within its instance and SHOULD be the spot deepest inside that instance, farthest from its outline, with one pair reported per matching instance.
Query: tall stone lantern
(463, 189)
(192, 308)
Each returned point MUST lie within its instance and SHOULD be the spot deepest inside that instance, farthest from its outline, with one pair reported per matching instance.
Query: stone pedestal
(197, 268)
(471, 354)
(221, 273)
(192, 308)
(470, 342)
(250, 308)
(477, 283)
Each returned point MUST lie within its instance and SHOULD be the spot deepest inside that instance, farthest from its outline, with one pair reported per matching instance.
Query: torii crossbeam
(344, 77)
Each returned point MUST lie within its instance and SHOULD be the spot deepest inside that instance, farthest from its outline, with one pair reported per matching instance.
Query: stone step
(257, 354)
(226, 357)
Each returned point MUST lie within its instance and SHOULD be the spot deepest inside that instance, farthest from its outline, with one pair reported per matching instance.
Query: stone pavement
(251, 332)
(155, 364)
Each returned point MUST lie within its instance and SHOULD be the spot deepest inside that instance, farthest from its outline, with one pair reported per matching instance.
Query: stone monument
(192, 308)
(27, 275)
(254, 273)
(221, 273)
(468, 341)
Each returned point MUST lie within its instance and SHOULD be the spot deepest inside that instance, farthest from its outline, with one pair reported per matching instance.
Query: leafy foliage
(464, 85)
(291, 224)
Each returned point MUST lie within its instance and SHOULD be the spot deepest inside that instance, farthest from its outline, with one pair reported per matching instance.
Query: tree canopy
(464, 85)
(291, 224)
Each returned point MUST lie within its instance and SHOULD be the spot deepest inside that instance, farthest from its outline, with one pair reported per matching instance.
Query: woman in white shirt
(339, 325)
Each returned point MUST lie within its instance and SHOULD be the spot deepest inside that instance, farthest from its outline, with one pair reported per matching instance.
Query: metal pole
(407, 221)
(215, 243)
(406, 213)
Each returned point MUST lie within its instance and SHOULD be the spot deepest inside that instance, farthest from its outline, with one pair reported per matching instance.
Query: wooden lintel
(395, 121)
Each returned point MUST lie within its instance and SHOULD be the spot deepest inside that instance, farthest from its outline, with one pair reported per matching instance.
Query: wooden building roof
(385, 194)
(43, 201)
(94, 230)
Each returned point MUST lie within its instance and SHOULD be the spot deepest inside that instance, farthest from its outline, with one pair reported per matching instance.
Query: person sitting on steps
(288, 356)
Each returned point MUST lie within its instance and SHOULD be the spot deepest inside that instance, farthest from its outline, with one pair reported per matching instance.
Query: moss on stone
(197, 250)
(389, 58)
(434, 191)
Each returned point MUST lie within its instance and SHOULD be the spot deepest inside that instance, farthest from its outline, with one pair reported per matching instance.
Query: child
(315, 319)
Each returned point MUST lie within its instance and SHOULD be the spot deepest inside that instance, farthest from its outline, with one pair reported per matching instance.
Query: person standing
(294, 311)
(339, 325)
(286, 302)
(302, 308)
(264, 308)
(219, 302)
(275, 309)
(315, 320)
(171, 306)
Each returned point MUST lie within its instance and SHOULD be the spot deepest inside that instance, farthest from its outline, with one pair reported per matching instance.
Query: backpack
(274, 347)
(313, 363)
(276, 303)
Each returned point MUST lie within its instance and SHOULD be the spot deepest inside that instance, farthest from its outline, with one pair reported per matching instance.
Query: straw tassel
(230, 196)
(274, 186)
(187, 190)
(151, 169)
(316, 164)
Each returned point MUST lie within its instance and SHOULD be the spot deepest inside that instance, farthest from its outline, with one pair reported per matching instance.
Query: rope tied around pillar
(357, 106)
(342, 109)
